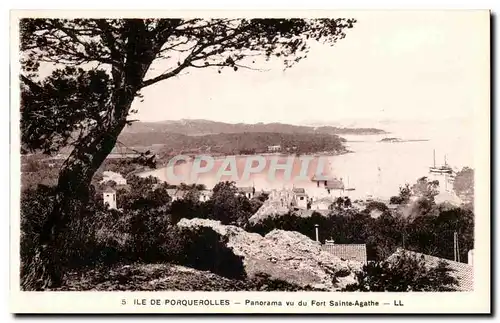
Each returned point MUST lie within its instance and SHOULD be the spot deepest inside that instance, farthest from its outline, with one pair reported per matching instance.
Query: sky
(392, 65)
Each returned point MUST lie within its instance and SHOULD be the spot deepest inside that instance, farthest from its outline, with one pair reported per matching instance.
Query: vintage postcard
(250, 162)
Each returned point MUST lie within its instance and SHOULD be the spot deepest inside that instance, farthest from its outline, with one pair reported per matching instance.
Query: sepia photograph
(336, 153)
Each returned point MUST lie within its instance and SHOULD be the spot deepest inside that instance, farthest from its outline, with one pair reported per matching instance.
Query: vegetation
(404, 273)
(107, 62)
(422, 225)
(235, 143)
(464, 186)
(144, 230)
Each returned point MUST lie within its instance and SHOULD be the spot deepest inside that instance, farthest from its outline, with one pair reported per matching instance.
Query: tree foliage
(404, 273)
(463, 185)
(100, 67)
(425, 188)
(228, 206)
(430, 233)
(104, 63)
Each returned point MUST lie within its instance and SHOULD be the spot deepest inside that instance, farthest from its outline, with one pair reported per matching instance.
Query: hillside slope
(197, 127)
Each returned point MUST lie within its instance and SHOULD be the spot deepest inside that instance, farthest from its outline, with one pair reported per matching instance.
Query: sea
(372, 168)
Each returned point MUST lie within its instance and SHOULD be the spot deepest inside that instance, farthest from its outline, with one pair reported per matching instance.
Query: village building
(284, 197)
(205, 195)
(322, 203)
(470, 257)
(109, 197)
(448, 197)
(335, 188)
(301, 198)
(464, 273)
(349, 252)
(179, 194)
(248, 192)
(176, 194)
(274, 149)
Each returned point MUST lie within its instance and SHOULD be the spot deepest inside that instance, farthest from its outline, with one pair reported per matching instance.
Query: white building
(470, 257)
(205, 195)
(273, 149)
(109, 197)
(322, 203)
(248, 192)
(300, 198)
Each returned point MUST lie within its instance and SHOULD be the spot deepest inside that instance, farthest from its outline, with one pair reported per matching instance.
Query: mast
(434, 157)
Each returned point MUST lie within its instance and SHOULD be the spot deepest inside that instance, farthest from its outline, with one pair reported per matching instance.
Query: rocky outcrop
(281, 255)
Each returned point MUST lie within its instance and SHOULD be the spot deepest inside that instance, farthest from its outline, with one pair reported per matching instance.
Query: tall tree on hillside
(464, 185)
(103, 64)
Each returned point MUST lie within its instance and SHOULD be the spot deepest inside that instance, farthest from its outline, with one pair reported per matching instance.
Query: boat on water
(442, 169)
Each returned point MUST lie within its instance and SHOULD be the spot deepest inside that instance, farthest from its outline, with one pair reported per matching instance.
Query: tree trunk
(72, 192)
(71, 197)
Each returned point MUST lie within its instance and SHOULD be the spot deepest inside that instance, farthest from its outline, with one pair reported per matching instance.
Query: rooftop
(335, 184)
(321, 178)
(354, 252)
(299, 190)
(326, 199)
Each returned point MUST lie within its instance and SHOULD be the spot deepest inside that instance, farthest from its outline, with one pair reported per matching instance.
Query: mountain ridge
(196, 127)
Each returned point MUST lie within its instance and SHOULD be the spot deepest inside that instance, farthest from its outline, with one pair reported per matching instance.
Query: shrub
(396, 200)
(95, 237)
(404, 273)
(205, 249)
(149, 231)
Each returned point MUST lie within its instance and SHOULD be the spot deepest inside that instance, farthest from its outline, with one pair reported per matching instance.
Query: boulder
(281, 255)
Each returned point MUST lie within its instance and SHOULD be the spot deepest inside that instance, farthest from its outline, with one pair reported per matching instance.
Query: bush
(96, 237)
(396, 200)
(205, 249)
(404, 273)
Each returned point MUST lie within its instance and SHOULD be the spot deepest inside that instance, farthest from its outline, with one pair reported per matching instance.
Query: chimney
(470, 257)
(316, 226)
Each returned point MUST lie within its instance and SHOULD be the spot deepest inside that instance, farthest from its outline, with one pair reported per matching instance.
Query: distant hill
(198, 127)
(233, 143)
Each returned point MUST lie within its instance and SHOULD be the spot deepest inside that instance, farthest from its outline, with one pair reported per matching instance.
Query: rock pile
(282, 255)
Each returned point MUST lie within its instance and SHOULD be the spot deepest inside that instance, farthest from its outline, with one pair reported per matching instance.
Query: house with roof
(350, 252)
(176, 193)
(205, 195)
(179, 194)
(464, 273)
(335, 187)
(322, 203)
(248, 192)
(332, 185)
(300, 197)
(274, 149)
(109, 197)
